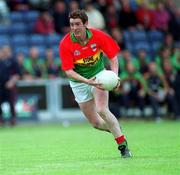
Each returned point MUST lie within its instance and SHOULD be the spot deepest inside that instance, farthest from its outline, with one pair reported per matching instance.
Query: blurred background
(148, 32)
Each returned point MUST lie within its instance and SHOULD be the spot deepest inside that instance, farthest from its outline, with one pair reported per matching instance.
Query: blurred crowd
(149, 76)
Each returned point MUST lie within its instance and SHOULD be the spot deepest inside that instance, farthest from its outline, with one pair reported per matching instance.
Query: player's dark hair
(79, 14)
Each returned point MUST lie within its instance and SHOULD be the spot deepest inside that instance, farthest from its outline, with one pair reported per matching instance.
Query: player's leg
(83, 96)
(89, 110)
(101, 100)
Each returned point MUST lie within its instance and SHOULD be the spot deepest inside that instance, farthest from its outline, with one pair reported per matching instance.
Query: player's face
(77, 27)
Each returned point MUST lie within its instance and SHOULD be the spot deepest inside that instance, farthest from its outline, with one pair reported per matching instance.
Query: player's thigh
(101, 98)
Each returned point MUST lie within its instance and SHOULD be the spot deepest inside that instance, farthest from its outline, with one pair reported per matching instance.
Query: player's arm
(92, 81)
(114, 64)
(72, 74)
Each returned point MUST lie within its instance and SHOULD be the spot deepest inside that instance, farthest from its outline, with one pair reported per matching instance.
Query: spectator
(95, 18)
(161, 17)
(18, 5)
(127, 16)
(157, 90)
(145, 16)
(37, 4)
(143, 62)
(111, 17)
(165, 54)
(176, 65)
(9, 74)
(174, 24)
(169, 41)
(60, 16)
(170, 76)
(118, 37)
(73, 5)
(102, 5)
(25, 75)
(133, 88)
(34, 64)
(52, 66)
(125, 58)
(44, 23)
(4, 12)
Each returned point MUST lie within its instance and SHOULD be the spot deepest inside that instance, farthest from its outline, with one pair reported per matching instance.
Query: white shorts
(81, 91)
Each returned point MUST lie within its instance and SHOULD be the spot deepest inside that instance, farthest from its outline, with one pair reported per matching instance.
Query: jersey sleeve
(107, 44)
(66, 57)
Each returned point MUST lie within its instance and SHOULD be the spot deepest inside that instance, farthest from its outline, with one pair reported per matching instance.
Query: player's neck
(83, 40)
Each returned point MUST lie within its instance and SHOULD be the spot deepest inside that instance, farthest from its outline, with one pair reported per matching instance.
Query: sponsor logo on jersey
(89, 61)
(77, 52)
(94, 47)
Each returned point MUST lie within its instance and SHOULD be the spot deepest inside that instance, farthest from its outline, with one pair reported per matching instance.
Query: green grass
(81, 150)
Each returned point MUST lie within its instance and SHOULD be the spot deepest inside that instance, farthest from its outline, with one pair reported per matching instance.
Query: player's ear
(86, 24)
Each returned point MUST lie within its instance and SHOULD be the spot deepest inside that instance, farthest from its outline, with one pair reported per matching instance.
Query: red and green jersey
(87, 60)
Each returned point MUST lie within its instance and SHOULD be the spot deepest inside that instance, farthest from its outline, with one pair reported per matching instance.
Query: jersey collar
(88, 33)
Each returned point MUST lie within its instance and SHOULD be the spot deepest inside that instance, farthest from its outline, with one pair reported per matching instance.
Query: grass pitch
(81, 150)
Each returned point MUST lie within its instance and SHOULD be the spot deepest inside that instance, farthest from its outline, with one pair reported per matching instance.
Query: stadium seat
(144, 46)
(155, 35)
(42, 50)
(131, 47)
(155, 46)
(55, 51)
(5, 29)
(31, 16)
(4, 40)
(21, 49)
(53, 40)
(127, 36)
(139, 35)
(19, 40)
(37, 40)
(31, 27)
(16, 17)
(133, 4)
(18, 28)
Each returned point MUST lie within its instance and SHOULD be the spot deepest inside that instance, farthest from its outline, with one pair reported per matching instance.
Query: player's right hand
(93, 82)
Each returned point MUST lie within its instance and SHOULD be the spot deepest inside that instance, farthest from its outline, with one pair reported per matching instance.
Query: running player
(81, 53)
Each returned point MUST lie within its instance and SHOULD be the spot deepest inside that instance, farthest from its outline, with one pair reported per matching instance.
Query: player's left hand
(117, 88)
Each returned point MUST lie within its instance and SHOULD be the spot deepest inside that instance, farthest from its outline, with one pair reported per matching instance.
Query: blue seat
(55, 51)
(127, 36)
(155, 35)
(133, 4)
(53, 40)
(4, 29)
(30, 26)
(31, 16)
(139, 35)
(130, 47)
(42, 51)
(4, 40)
(155, 46)
(37, 40)
(19, 28)
(143, 46)
(16, 17)
(19, 40)
(21, 49)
